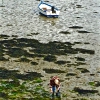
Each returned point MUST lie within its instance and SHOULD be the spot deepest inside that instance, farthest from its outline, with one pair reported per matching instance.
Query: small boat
(48, 10)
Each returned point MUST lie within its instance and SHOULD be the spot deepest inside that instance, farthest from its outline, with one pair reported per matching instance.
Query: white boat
(48, 10)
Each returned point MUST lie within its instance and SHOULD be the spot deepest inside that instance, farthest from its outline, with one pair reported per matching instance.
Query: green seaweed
(50, 58)
(53, 70)
(14, 90)
(84, 51)
(84, 91)
(76, 27)
(13, 74)
(18, 47)
(97, 84)
(83, 70)
(4, 36)
(34, 63)
(24, 59)
(80, 59)
(17, 52)
(80, 31)
(65, 32)
(71, 74)
(38, 80)
(60, 62)
(92, 83)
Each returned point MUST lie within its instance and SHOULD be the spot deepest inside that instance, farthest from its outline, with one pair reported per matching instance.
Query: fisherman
(55, 86)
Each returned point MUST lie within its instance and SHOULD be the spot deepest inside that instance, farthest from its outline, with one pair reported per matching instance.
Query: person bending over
(55, 85)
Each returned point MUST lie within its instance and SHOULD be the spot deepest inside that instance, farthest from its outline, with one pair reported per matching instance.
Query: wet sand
(76, 29)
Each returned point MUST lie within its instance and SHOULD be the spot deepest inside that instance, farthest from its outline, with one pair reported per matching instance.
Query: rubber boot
(58, 94)
(53, 94)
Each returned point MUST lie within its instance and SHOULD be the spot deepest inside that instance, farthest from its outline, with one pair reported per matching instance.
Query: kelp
(14, 90)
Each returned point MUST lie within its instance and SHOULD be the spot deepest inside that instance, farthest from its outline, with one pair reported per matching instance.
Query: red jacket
(52, 81)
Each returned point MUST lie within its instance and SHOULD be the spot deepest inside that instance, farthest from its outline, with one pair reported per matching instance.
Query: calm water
(21, 18)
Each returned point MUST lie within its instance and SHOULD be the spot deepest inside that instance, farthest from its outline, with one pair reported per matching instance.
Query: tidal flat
(33, 48)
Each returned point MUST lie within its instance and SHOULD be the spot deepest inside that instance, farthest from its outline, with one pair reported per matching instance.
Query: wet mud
(33, 48)
(26, 50)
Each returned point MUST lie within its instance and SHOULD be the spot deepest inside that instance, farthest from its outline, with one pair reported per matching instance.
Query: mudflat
(33, 48)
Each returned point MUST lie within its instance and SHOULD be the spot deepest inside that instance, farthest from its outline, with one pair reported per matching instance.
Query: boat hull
(49, 16)
(45, 10)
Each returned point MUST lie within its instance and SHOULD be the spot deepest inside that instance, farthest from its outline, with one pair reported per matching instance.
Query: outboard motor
(53, 9)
